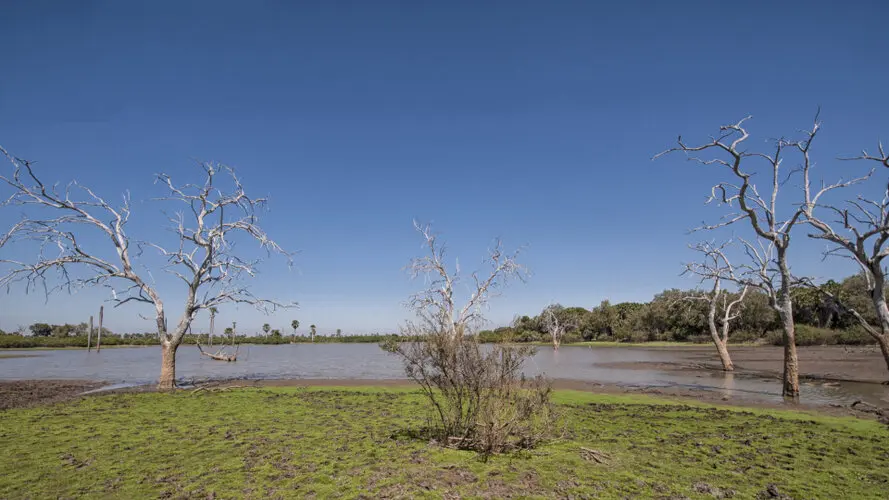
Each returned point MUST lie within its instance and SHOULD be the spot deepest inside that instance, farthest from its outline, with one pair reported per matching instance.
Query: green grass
(338, 442)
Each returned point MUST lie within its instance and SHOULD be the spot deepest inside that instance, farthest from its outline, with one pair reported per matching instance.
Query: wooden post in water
(212, 319)
(99, 335)
(89, 337)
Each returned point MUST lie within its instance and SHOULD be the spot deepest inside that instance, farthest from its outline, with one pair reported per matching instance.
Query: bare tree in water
(71, 223)
(715, 268)
(858, 229)
(769, 265)
(557, 326)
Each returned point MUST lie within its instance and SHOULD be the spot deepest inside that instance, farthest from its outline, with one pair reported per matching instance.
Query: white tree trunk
(167, 379)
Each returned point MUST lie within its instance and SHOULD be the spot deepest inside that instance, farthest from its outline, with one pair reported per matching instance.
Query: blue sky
(532, 121)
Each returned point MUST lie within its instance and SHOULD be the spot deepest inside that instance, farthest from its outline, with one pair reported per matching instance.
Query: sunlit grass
(339, 442)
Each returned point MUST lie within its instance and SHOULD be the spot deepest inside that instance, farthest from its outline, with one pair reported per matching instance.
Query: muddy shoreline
(26, 393)
(846, 370)
(863, 364)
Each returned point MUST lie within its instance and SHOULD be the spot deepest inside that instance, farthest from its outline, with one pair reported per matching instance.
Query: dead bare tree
(859, 230)
(89, 337)
(203, 256)
(213, 312)
(99, 336)
(221, 354)
(762, 214)
(556, 326)
(715, 267)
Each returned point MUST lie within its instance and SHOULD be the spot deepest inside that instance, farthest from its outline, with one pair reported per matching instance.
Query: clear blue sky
(534, 121)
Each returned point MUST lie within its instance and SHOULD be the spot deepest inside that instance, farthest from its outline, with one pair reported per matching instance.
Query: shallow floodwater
(140, 365)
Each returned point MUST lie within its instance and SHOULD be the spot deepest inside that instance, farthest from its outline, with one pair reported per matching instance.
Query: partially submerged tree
(556, 323)
(716, 268)
(762, 214)
(480, 399)
(859, 230)
(202, 257)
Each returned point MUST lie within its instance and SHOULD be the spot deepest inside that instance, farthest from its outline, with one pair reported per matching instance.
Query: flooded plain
(832, 375)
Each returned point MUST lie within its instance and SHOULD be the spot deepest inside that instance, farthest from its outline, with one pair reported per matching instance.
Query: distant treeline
(20, 340)
(671, 315)
(674, 315)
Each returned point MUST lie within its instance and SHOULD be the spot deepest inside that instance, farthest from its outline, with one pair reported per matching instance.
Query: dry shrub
(479, 396)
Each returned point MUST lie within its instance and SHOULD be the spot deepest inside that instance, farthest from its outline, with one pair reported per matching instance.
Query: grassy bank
(330, 442)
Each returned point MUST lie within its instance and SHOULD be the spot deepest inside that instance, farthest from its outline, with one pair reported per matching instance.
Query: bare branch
(203, 257)
(436, 304)
(860, 232)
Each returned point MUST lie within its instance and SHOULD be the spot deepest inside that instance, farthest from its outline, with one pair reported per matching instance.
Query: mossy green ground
(335, 442)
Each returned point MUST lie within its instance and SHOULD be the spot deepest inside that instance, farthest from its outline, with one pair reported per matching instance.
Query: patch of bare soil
(24, 393)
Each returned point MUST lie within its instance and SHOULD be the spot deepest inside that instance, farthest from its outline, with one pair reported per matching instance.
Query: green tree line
(671, 316)
(75, 336)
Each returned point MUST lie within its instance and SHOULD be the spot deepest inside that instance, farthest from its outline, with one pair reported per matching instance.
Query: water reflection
(728, 384)
(650, 368)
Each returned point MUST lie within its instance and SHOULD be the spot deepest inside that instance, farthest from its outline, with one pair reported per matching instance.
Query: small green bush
(745, 337)
(809, 335)
(854, 336)
(805, 336)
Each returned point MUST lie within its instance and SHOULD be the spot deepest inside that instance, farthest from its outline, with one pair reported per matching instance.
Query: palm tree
(339, 332)
(294, 324)
(265, 328)
(213, 312)
(312, 328)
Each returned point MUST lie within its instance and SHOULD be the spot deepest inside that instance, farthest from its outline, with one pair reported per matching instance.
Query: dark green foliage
(671, 317)
(40, 329)
(812, 335)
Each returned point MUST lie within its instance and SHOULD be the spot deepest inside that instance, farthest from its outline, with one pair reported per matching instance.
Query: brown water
(623, 366)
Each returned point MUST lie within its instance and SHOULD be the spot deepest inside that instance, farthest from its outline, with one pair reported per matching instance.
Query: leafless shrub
(479, 397)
